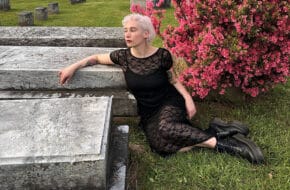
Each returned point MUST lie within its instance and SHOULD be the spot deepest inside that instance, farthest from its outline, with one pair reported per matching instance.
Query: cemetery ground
(267, 115)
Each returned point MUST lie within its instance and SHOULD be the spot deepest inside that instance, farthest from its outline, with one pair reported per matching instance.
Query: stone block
(36, 68)
(61, 36)
(142, 3)
(41, 13)
(25, 18)
(53, 8)
(118, 156)
(54, 143)
(124, 104)
(5, 5)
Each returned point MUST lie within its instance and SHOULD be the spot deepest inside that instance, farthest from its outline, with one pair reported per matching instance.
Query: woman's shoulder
(162, 49)
(121, 51)
(165, 52)
(119, 56)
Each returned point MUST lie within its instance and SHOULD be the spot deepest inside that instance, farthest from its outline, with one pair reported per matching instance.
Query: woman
(164, 105)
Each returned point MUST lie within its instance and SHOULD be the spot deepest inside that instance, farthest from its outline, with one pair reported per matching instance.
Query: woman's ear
(146, 34)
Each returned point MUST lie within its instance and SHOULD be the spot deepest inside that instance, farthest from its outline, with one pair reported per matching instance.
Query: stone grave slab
(54, 143)
(124, 103)
(37, 67)
(62, 36)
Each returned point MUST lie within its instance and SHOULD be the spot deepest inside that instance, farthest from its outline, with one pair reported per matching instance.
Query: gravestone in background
(4, 5)
(77, 1)
(41, 13)
(25, 18)
(53, 8)
(142, 3)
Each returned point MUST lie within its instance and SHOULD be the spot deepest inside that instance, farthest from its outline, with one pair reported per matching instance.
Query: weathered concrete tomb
(54, 143)
(31, 67)
(61, 137)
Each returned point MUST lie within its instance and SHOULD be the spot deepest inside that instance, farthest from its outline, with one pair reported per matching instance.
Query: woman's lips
(128, 41)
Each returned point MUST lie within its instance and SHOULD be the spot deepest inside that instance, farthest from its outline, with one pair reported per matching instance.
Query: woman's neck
(143, 50)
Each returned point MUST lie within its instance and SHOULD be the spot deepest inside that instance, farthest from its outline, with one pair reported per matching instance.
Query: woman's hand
(66, 74)
(190, 107)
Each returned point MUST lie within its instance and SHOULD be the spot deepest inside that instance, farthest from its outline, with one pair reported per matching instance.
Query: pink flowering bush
(228, 43)
(155, 15)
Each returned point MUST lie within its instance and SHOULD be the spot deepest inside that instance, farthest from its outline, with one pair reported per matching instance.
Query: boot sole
(256, 152)
(242, 128)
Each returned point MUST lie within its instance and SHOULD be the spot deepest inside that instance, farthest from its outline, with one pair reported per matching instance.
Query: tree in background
(228, 43)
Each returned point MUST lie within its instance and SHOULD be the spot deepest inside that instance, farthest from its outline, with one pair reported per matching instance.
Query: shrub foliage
(228, 43)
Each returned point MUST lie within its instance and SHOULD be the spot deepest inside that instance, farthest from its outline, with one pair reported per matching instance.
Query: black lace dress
(160, 106)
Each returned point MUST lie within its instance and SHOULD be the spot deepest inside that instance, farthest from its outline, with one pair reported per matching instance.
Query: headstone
(53, 8)
(25, 18)
(41, 13)
(77, 1)
(54, 143)
(4, 5)
(142, 3)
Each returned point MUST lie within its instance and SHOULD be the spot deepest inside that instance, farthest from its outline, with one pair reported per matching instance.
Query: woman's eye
(133, 30)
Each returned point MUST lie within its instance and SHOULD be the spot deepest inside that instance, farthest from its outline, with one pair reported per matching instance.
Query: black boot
(222, 129)
(239, 145)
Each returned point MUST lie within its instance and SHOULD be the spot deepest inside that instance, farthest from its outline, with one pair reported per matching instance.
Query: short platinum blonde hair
(144, 22)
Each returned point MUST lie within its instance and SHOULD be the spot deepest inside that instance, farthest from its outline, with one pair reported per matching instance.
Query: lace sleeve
(119, 57)
(167, 61)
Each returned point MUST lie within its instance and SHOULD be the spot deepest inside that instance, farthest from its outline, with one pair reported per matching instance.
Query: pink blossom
(225, 53)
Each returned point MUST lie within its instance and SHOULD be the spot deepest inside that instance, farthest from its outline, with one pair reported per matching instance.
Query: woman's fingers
(191, 113)
(63, 78)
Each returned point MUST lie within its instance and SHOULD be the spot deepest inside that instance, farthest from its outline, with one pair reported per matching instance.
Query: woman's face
(134, 34)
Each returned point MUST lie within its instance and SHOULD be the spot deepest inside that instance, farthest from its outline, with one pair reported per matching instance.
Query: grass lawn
(92, 13)
(268, 116)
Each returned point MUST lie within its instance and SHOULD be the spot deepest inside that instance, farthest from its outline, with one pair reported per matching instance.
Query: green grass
(268, 116)
(92, 13)
(269, 119)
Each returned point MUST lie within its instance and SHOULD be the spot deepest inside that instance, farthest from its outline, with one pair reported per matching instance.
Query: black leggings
(169, 130)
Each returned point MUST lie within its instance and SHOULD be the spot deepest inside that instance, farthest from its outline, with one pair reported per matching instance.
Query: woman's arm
(67, 73)
(189, 103)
